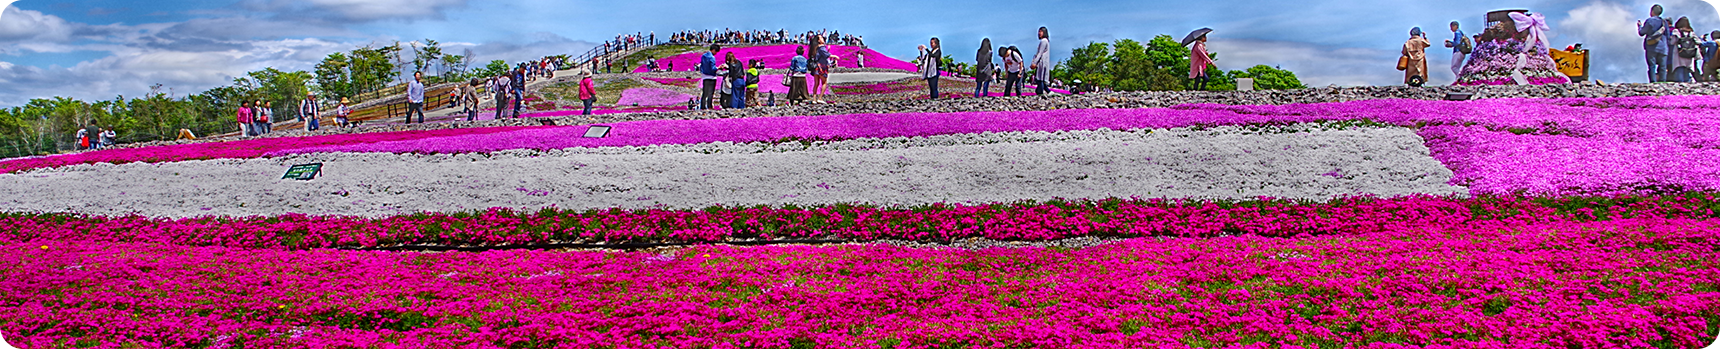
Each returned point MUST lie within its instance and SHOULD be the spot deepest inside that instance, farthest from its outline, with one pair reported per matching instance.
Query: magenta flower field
(1590, 223)
(1628, 283)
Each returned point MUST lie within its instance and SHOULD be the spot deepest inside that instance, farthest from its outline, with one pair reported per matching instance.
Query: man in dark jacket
(708, 71)
(1655, 43)
(519, 89)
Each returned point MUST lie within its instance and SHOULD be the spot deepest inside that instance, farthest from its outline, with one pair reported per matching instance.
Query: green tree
(1088, 64)
(495, 68)
(333, 78)
(1270, 78)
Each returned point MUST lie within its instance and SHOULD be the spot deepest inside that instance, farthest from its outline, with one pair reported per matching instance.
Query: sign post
(303, 172)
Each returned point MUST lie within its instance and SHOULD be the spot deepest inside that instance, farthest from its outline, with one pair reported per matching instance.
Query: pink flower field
(1591, 223)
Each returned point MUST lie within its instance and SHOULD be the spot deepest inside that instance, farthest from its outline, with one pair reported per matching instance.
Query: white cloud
(1608, 30)
(385, 9)
(25, 25)
(1315, 65)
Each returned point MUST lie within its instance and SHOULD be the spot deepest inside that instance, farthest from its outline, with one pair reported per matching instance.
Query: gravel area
(1084, 101)
(1223, 162)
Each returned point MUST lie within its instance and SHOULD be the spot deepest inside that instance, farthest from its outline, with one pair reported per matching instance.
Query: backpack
(1465, 46)
(1687, 47)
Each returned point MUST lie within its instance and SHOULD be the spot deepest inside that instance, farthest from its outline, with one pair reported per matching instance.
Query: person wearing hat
(308, 110)
(341, 112)
(587, 92)
(1654, 44)
(1415, 52)
(1198, 61)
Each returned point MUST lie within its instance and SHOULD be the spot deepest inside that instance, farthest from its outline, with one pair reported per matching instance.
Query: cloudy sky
(97, 49)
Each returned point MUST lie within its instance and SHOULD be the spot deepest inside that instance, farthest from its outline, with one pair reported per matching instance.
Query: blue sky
(96, 49)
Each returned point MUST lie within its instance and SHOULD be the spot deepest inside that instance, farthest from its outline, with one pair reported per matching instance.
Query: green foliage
(495, 68)
(1160, 64)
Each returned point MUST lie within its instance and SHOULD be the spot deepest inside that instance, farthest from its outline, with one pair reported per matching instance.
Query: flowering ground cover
(778, 57)
(652, 97)
(1645, 282)
(1031, 221)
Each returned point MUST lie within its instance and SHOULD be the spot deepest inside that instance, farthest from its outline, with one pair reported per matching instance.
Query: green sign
(303, 172)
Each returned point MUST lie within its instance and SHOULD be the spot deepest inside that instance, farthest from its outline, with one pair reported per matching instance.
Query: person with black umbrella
(1198, 59)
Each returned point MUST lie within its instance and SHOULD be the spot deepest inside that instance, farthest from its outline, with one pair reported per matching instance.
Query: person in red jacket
(587, 93)
(244, 119)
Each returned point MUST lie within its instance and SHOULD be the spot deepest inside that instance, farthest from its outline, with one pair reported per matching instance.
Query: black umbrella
(1195, 35)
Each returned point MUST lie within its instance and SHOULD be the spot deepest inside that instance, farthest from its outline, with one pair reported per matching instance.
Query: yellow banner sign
(1572, 64)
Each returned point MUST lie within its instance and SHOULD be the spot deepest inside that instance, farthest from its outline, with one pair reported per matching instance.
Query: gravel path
(1225, 162)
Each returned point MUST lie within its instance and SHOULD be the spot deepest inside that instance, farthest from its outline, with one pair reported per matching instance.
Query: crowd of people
(1674, 52)
(1014, 72)
(94, 137)
(781, 36)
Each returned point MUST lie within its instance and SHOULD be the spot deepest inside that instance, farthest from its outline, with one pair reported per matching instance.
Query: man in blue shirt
(415, 98)
(1457, 55)
(1655, 43)
(708, 71)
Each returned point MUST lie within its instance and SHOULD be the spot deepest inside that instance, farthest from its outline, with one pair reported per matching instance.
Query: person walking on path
(587, 92)
(708, 73)
(415, 98)
(1042, 64)
(308, 110)
(737, 81)
(469, 99)
(931, 60)
(1654, 44)
(1458, 44)
(1198, 61)
(503, 83)
(1415, 52)
(341, 112)
(982, 69)
(244, 118)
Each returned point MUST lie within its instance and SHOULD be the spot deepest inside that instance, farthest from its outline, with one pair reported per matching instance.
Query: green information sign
(303, 172)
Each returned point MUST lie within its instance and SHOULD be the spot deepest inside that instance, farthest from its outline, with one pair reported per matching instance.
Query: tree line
(1161, 64)
(48, 125)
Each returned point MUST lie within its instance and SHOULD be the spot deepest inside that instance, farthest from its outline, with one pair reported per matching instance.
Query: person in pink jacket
(587, 93)
(1198, 60)
(244, 119)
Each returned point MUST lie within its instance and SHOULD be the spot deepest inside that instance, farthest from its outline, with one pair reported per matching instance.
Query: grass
(608, 90)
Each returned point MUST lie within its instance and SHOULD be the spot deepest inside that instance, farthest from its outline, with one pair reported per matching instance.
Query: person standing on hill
(931, 61)
(308, 110)
(708, 73)
(820, 68)
(243, 116)
(587, 92)
(1457, 44)
(1198, 60)
(1684, 50)
(982, 69)
(519, 89)
(797, 76)
(737, 81)
(259, 118)
(1013, 66)
(1415, 51)
(1654, 44)
(503, 83)
(752, 82)
(415, 98)
(1042, 64)
(469, 99)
